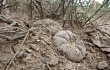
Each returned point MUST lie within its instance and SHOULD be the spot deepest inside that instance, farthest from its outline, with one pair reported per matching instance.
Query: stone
(67, 34)
(32, 29)
(97, 42)
(21, 54)
(106, 49)
(50, 22)
(69, 66)
(58, 41)
(47, 25)
(34, 47)
(54, 29)
(38, 23)
(53, 61)
(28, 50)
(102, 65)
(80, 45)
(108, 55)
(2, 40)
(71, 52)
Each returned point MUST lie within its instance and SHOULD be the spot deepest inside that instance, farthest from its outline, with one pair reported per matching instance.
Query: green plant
(83, 17)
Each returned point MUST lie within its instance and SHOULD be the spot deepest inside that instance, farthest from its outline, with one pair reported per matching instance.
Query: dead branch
(52, 49)
(101, 16)
(11, 33)
(5, 19)
(65, 9)
(36, 7)
(95, 13)
(40, 8)
(11, 5)
(17, 51)
(103, 33)
(14, 37)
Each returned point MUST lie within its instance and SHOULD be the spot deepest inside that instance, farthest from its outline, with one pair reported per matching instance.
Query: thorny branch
(95, 12)
(101, 16)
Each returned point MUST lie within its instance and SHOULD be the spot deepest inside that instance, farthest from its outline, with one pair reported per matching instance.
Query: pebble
(66, 34)
(102, 65)
(71, 52)
(58, 41)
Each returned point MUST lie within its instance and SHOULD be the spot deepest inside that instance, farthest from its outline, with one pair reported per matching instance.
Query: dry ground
(38, 53)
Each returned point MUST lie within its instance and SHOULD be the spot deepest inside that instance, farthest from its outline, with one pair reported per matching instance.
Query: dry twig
(95, 13)
(52, 49)
(5, 19)
(17, 51)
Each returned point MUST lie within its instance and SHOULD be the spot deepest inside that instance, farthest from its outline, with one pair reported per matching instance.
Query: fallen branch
(5, 19)
(14, 37)
(104, 33)
(12, 33)
(17, 51)
(101, 15)
(95, 13)
(52, 49)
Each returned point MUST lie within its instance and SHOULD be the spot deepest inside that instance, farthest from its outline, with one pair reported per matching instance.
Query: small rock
(66, 34)
(36, 24)
(102, 65)
(69, 66)
(71, 52)
(15, 23)
(108, 55)
(105, 49)
(21, 54)
(53, 61)
(50, 22)
(28, 50)
(32, 29)
(2, 40)
(38, 40)
(80, 45)
(58, 41)
(34, 47)
(54, 29)
(97, 42)
(61, 67)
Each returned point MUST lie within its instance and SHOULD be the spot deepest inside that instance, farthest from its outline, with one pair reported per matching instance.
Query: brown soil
(38, 53)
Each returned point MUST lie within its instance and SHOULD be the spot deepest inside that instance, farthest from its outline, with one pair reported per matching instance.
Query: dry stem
(17, 51)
